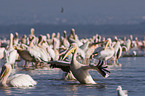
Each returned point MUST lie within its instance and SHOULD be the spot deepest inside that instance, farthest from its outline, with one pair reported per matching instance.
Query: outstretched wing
(102, 69)
(65, 66)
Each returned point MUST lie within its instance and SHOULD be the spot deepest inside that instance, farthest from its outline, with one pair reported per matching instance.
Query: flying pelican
(80, 71)
(17, 80)
(62, 10)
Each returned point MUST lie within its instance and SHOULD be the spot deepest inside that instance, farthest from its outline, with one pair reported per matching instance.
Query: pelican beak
(107, 43)
(70, 50)
(4, 72)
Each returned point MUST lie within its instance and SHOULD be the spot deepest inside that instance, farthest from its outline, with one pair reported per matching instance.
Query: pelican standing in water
(107, 53)
(117, 53)
(11, 54)
(17, 80)
(80, 71)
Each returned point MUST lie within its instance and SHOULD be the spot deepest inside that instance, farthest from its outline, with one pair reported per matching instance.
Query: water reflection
(6, 90)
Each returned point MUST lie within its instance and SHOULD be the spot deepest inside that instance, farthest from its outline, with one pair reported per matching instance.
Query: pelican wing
(34, 52)
(25, 54)
(22, 80)
(102, 70)
(65, 66)
(106, 53)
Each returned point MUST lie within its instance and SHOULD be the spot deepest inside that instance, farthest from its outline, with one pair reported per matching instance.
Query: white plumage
(121, 92)
(22, 80)
(107, 53)
(11, 54)
(17, 80)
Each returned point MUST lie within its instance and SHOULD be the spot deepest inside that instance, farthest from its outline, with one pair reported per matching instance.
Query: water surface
(130, 76)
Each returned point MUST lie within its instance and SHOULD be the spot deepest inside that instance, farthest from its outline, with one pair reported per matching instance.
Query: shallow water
(131, 76)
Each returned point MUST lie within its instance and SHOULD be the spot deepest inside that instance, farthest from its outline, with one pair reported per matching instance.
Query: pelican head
(11, 35)
(70, 50)
(58, 35)
(108, 42)
(16, 34)
(48, 36)
(32, 31)
(53, 35)
(24, 36)
(64, 32)
(73, 32)
(119, 88)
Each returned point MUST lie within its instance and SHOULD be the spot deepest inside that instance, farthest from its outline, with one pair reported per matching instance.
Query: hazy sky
(75, 11)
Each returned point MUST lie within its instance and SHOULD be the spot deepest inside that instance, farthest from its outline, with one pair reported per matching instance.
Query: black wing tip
(102, 69)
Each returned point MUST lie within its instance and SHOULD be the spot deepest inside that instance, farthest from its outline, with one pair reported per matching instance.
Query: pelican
(16, 39)
(117, 52)
(107, 53)
(90, 49)
(11, 54)
(65, 41)
(32, 30)
(43, 52)
(29, 53)
(56, 44)
(17, 80)
(121, 92)
(24, 39)
(80, 71)
(73, 38)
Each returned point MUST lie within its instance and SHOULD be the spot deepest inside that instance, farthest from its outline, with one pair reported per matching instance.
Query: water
(130, 76)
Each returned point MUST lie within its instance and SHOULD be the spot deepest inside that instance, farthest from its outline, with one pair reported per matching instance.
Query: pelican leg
(24, 65)
(117, 61)
(28, 65)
